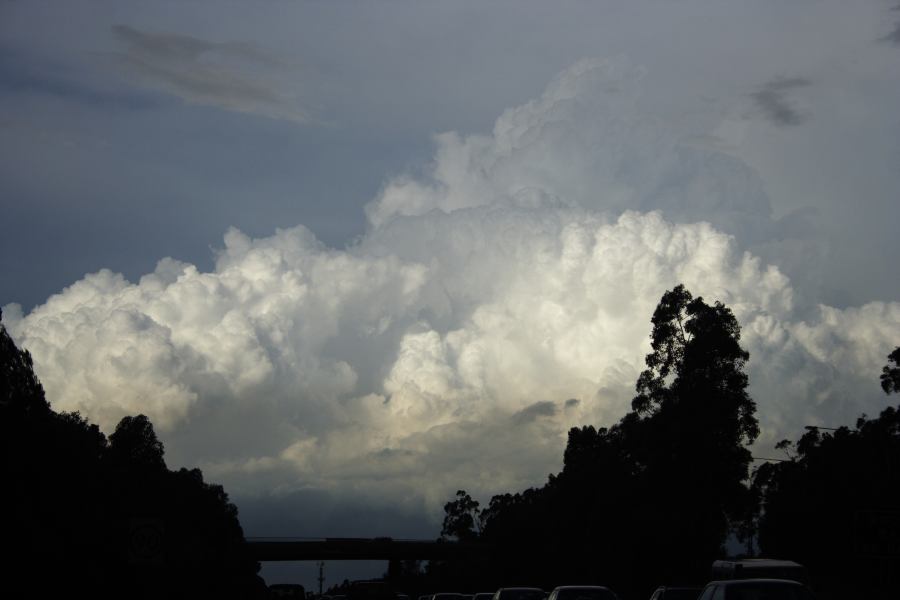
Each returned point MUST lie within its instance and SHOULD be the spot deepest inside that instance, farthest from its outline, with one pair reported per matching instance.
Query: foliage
(462, 518)
(134, 445)
(697, 359)
(72, 500)
(20, 391)
(890, 376)
(666, 480)
(815, 507)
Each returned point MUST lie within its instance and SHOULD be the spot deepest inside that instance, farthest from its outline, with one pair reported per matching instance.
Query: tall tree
(693, 415)
(835, 506)
(462, 518)
(134, 445)
(688, 433)
(20, 391)
(667, 480)
(697, 359)
(72, 502)
(890, 375)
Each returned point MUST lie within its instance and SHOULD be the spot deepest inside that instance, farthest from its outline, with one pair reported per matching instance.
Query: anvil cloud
(498, 297)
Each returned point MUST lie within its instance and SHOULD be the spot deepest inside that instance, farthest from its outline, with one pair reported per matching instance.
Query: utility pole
(321, 575)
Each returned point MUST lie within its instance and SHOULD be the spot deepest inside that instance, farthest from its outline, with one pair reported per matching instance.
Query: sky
(350, 257)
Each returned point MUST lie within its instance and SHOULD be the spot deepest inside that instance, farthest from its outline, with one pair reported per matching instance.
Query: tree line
(89, 516)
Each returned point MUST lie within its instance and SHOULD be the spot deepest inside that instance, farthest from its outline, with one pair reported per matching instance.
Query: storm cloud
(514, 276)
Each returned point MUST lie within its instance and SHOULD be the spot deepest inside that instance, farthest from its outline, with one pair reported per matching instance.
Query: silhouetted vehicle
(582, 592)
(759, 568)
(756, 589)
(520, 593)
(448, 596)
(676, 593)
(370, 590)
(483, 596)
(287, 590)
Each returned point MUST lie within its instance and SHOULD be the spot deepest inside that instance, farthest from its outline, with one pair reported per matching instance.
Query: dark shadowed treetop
(667, 480)
(462, 520)
(890, 375)
(697, 356)
(20, 390)
(71, 499)
(134, 444)
(837, 499)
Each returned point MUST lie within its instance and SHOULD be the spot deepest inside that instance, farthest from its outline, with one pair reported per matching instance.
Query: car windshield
(522, 594)
(585, 594)
(759, 590)
(682, 594)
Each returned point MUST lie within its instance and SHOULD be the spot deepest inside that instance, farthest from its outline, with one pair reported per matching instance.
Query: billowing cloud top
(585, 142)
(494, 302)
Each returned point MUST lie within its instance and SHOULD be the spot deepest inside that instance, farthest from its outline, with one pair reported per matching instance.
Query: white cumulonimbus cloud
(494, 303)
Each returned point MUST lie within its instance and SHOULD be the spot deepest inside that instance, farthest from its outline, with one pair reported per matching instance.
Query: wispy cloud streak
(773, 100)
(235, 76)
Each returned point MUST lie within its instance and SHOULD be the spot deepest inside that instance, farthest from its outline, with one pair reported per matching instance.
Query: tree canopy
(74, 503)
(462, 518)
(667, 480)
(890, 375)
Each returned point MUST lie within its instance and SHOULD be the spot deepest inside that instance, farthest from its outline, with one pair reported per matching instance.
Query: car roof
(757, 562)
(581, 587)
(753, 580)
(681, 587)
(522, 588)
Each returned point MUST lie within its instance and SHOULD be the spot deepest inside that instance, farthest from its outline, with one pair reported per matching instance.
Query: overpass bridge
(296, 549)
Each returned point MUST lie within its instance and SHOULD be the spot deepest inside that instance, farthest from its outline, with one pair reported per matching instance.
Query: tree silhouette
(462, 518)
(21, 393)
(693, 418)
(667, 480)
(697, 359)
(71, 502)
(835, 505)
(134, 445)
(890, 376)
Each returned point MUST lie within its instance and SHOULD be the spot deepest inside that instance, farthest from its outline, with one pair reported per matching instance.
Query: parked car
(483, 596)
(448, 596)
(756, 568)
(671, 592)
(756, 589)
(582, 592)
(287, 590)
(520, 593)
(370, 590)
